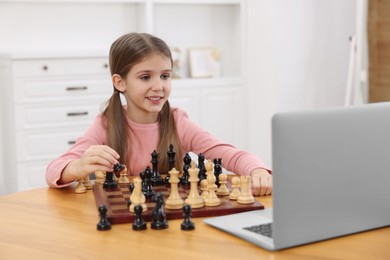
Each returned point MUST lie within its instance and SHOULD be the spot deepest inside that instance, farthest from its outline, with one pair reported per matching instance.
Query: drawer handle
(76, 88)
(71, 142)
(77, 113)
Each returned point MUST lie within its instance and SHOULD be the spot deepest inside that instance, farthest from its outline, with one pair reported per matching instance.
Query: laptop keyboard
(263, 229)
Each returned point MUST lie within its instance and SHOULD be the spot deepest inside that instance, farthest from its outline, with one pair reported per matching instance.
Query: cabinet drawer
(41, 146)
(29, 90)
(58, 67)
(33, 117)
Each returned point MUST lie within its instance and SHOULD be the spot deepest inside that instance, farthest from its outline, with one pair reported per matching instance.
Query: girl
(141, 69)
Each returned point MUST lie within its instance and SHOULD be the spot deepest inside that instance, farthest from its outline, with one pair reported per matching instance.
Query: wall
(298, 59)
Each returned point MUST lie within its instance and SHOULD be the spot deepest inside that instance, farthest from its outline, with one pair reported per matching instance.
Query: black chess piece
(103, 224)
(217, 169)
(109, 182)
(156, 177)
(184, 180)
(202, 167)
(187, 223)
(171, 161)
(149, 191)
(118, 168)
(159, 219)
(139, 223)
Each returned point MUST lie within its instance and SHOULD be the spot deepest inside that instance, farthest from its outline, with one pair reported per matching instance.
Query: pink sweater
(144, 139)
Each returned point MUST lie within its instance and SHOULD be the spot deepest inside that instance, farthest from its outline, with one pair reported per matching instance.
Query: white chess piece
(80, 188)
(137, 197)
(223, 190)
(246, 195)
(236, 188)
(123, 176)
(194, 199)
(100, 176)
(204, 187)
(174, 201)
(87, 183)
(212, 199)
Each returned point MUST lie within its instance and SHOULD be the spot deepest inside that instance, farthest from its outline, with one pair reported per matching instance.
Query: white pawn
(174, 200)
(246, 195)
(236, 188)
(123, 176)
(87, 183)
(194, 199)
(223, 190)
(80, 188)
(204, 187)
(100, 176)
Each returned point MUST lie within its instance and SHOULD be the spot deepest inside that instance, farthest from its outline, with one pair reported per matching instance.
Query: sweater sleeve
(196, 139)
(95, 135)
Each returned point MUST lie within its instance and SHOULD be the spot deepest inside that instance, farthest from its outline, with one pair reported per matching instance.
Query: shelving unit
(73, 37)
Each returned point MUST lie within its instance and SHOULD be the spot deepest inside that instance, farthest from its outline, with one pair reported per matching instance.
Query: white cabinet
(48, 104)
(50, 99)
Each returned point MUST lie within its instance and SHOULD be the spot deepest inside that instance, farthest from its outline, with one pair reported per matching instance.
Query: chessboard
(118, 212)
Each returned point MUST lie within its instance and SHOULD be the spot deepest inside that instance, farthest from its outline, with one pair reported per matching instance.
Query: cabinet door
(223, 114)
(189, 101)
(31, 175)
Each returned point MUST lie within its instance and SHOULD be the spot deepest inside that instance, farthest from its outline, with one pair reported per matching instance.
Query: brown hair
(125, 52)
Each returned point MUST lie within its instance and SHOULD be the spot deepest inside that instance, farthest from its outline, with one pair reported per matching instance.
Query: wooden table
(59, 224)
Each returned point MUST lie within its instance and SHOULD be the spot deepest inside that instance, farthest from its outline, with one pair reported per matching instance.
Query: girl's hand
(95, 158)
(261, 182)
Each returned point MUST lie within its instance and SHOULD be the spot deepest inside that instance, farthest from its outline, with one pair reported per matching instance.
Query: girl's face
(146, 87)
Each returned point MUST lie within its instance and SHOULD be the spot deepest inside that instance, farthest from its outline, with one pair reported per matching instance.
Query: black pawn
(159, 219)
(217, 169)
(139, 223)
(187, 223)
(156, 177)
(171, 161)
(103, 224)
(187, 165)
(202, 167)
(149, 191)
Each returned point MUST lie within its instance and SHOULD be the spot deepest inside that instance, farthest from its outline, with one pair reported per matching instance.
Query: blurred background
(237, 63)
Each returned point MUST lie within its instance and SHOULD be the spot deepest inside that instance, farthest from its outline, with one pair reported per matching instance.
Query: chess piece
(109, 182)
(139, 223)
(87, 183)
(100, 176)
(174, 201)
(201, 166)
(217, 169)
(245, 196)
(194, 199)
(123, 176)
(156, 177)
(159, 219)
(187, 224)
(80, 188)
(137, 197)
(223, 190)
(103, 224)
(184, 181)
(209, 166)
(236, 188)
(204, 187)
(171, 161)
(212, 199)
(149, 191)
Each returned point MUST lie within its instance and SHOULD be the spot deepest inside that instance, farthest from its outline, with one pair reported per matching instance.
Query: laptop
(331, 177)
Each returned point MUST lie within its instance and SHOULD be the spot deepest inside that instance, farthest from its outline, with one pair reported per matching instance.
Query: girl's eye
(145, 77)
(166, 76)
